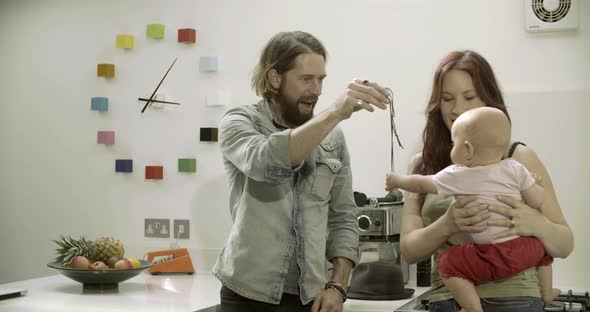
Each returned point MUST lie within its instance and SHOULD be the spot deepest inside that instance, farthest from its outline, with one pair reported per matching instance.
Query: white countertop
(144, 292)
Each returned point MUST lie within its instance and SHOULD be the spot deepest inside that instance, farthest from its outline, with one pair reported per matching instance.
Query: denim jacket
(279, 211)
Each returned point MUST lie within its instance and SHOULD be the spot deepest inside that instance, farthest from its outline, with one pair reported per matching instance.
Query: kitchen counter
(144, 293)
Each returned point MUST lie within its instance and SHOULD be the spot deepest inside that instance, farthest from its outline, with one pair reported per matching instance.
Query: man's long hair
(279, 54)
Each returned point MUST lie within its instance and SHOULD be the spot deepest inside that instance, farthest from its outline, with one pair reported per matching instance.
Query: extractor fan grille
(551, 11)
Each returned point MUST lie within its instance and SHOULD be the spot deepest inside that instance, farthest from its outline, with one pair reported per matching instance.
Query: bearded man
(291, 197)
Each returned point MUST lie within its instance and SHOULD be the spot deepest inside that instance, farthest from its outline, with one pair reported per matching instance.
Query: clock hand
(154, 94)
(157, 101)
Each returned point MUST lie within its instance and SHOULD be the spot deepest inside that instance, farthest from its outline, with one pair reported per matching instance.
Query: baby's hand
(390, 181)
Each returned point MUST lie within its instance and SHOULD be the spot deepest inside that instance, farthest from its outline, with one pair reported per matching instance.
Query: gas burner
(570, 301)
(567, 301)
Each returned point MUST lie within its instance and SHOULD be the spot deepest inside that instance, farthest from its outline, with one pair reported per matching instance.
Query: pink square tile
(106, 137)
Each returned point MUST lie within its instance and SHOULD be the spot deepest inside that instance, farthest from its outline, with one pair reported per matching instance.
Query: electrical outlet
(157, 228)
(181, 229)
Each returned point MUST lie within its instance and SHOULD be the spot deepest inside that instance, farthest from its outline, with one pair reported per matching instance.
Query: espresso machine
(379, 223)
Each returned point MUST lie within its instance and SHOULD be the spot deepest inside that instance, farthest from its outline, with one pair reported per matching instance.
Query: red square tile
(154, 172)
(187, 35)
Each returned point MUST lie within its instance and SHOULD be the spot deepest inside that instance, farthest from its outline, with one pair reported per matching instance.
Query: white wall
(56, 179)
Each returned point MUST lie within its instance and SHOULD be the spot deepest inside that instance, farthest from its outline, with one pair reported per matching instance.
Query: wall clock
(143, 90)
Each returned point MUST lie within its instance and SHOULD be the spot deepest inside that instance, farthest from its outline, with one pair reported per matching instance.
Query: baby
(480, 138)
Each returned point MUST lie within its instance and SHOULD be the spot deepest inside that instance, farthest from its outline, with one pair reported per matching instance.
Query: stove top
(567, 301)
(570, 301)
(420, 303)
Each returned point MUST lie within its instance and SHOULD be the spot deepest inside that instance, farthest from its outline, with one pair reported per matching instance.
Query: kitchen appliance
(570, 301)
(379, 218)
(170, 261)
(566, 301)
(379, 223)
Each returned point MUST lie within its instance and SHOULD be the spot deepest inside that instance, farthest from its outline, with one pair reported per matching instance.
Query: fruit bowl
(99, 279)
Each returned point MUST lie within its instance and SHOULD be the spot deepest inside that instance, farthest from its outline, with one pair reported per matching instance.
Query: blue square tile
(208, 64)
(100, 104)
(124, 165)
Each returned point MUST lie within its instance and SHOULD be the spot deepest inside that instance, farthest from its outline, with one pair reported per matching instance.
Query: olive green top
(523, 284)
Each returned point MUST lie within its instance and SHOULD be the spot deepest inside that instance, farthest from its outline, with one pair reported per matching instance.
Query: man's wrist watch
(338, 287)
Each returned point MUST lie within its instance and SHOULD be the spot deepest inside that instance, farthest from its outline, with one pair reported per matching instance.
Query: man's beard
(290, 109)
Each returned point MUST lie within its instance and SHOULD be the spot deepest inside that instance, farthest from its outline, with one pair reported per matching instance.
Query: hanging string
(392, 125)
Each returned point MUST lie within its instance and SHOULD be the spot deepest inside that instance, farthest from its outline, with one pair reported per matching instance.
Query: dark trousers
(508, 304)
(232, 302)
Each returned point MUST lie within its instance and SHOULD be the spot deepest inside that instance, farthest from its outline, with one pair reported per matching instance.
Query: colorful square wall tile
(154, 172)
(208, 134)
(125, 41)
(100, 104)
(155, 31)
(187, 165)
(106, 137)
(123, 165)
(105, 70)
(187, 35)
(208, 64)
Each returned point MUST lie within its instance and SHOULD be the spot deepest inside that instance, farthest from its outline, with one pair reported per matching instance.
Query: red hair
(436, 136)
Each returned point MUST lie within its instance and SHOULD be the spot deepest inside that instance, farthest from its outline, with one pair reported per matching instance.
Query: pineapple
(100, 249)
(71, 248)
(103, 248)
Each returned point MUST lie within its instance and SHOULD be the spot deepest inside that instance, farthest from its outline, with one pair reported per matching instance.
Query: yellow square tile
(124, 41)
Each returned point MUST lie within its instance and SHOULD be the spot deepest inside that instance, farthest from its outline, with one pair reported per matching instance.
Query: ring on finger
(511, 224)
(359, 102)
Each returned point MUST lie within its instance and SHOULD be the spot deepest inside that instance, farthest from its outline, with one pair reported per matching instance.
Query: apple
(111, 262)
(80, 262)
(123, 264)
(99, 265)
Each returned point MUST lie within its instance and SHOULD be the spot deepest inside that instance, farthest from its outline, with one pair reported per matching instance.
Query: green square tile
(155, 31)
(187, 165)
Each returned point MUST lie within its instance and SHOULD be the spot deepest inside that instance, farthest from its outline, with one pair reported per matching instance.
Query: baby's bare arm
(414, 183)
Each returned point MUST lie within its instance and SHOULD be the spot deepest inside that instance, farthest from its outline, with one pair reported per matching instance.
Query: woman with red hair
(464, 80)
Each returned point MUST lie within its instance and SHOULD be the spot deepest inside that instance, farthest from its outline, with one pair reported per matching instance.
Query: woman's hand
(521, 219)
(468, 219)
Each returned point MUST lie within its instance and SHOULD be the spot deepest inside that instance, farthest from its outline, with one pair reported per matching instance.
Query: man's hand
(360, 94)
(328, 300)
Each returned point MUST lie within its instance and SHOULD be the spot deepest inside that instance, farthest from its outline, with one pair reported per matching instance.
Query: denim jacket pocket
(326, 171)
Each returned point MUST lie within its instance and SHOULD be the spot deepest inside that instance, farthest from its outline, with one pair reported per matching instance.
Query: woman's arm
(548, 225)
(418, 242)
